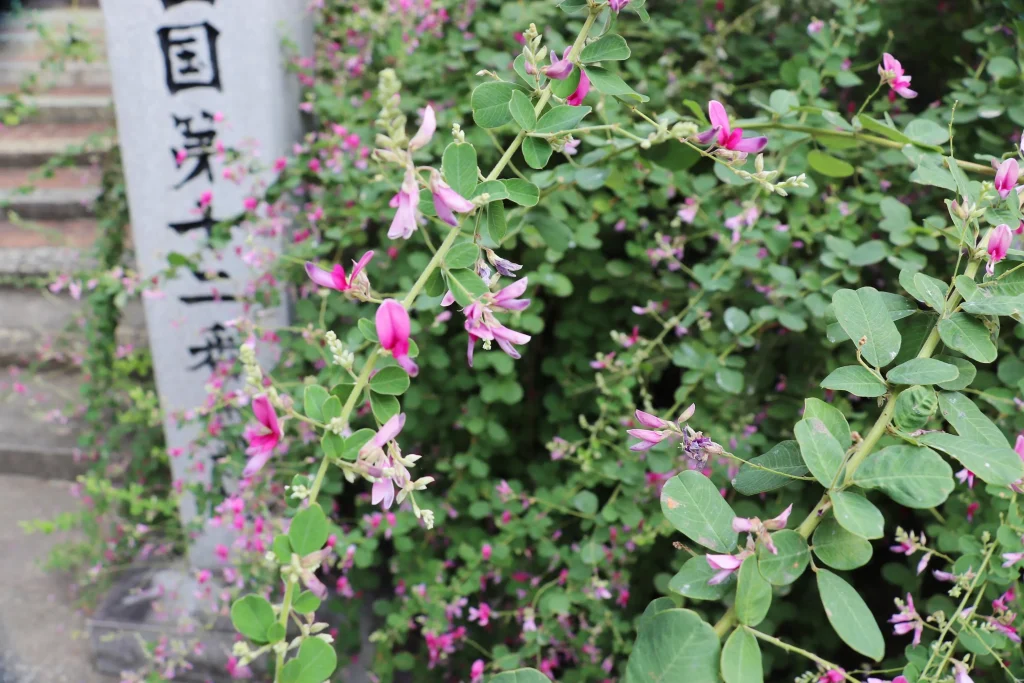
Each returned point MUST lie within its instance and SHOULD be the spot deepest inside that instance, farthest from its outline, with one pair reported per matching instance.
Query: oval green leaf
(308, 531)
(560, 118)
(992, 464)
(855, 379)
(969, 336)
(490, 104)
(392, 381)
(252, 615)
(520, 676)
(459, 166)
(695, 508)
(828, 165)
(922, 371)
(857, 514)
(771, 471)
(913, 477)
(968, 420)
(821, 452)
(833, 419)
(675, 645)
(609, 47)
(315, 662)
(838, 548)
(849, 616)
(863, 314)
(692, 581)
(786, 566)
(522, 111)
(741, 659)
(753, 593)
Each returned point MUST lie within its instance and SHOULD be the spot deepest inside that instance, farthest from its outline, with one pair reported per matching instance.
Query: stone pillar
(189, 76)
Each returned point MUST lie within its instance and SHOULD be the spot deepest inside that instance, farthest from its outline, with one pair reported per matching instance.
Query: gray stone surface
(73, 75)
(42, 636)
(51, 204)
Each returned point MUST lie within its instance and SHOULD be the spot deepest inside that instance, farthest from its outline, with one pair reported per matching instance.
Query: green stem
(725, 624)
(286, 608)
(870, 97)
(796, 650)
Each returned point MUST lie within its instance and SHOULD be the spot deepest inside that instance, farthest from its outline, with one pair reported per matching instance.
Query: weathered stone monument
(191, 78)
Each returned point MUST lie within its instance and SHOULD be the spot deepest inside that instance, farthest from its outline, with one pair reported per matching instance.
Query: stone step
(37, 143)
(50, 204)
(50, 235)
(37, 434)
(14, 73)
(67, 106)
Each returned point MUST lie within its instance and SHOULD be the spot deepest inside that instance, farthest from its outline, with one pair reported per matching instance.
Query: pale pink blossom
(907, 620)
(891, 72)
(998, 244)
(407, 203)
(426, 130)
(447, 200)
(482, 325)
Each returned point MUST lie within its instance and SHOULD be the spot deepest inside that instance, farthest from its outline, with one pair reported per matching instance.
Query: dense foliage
(839, 311)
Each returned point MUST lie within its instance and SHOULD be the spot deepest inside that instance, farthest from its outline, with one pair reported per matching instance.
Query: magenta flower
(891, 72)
(393, 332)
(759, 529)
(407, 201)
(481, 614)
(1006, 177)
(728, 138)
(263, 439)
(576, 99)
(426, 130)
(833, 676)
(560, 68)
(476, 671)
(336, 278)
(998, 244)
(616, 5)
(965, 476)
(447, 200)
(482, 325)
(907, 620)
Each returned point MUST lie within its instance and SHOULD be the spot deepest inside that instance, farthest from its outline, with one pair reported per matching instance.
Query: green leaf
(849, 616)
(462, 255)
(969, 336)
(368, 329)
(789, 563)
(922, 371)
(537, 152)
(466, 286)
(384, 407)
(308, 531)
(520, 676)
(675, 645)
(522, 192)
(995, 305)
(838, 548)
(869, 253)
(306, 603)
(927, 132)
(933, 291)
(562, 117)
(692, 581)
(276, 633)
(753, 594)
(606, 82)
(741, 659)
(821, 452)
(783, 101)
(252, 615)
(435, 285)
(315, 663)
(857, 514)
(609, 47)
(494, 189)
(992, 464)
(392, 381)
(966, 369)
(833, 418)
(856, 380)
(497, 226)
(490, 103)
(878, 127)
(736, 320)
(913, 477)
(695, 507)
(282, 549)
(828, 165)
(770, 471)
(655, 606)
(355, 442)
(936, 176)
(312, 398)
(863, 314)
(333, 445)
(568, 86)
(459, 166)
(968, 420)
(729, 380)
(586, 502)
(522, 111)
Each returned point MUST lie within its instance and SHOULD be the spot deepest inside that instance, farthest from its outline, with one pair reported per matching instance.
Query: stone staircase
(47, 229)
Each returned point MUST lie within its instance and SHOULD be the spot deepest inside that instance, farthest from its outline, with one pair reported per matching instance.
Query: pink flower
(481, 615)
(1011, 559)
(907, 620)
(393, 332)
(616, 5)
(756, 527)
(1006, 177)
(728, 138)
(560, 68)
(482, 325)
(407, 201)
(447, 200)
(426, 131)
(648, 420)
(236, 670)
(998, 244)
(898, 679)
(891, 72)
(485, 551)
(336, 278)
(576, 99)
(815, 27)
(726, 565)
(960, 673)
(966, 476)
(262, 439)
(476, 671)
(833, 676)
(376, 461)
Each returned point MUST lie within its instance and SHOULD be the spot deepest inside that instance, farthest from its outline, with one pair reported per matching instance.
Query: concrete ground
(42, 637)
